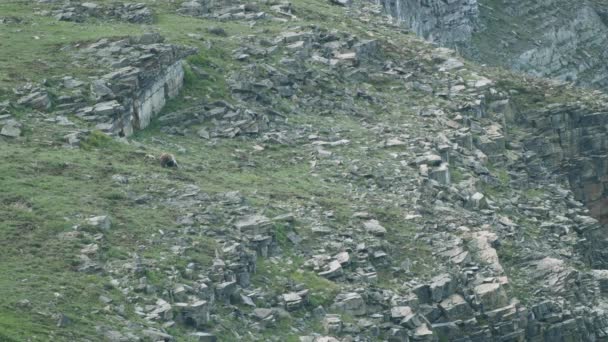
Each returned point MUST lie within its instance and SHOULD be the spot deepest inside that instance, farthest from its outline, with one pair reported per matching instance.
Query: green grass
(96, 139)
(47, 193)
(322, 291)
(32, 51)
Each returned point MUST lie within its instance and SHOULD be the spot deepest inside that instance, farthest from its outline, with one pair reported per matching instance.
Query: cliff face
(551, 38)
(444, 22)
(557, 39)
(572, 140)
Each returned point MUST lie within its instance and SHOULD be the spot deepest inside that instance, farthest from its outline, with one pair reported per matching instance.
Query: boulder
(398, 313)
(491, 296)
(203, 337)
(194, 314)
(374, 227)
(332, 270)
(194, 8)
(477, 201)
(253, 224)
(332, 324)
(441, 174)
(102, 222)
(38, 100)
(293, 301)
(455, 307)
(350, 303)
(11, 130)
(441, 287)
(263, 314)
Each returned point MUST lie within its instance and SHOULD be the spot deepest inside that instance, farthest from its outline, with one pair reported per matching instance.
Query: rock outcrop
(137, 13)
(146, 74)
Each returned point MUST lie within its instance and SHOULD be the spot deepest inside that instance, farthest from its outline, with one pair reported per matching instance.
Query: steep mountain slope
(339, 180)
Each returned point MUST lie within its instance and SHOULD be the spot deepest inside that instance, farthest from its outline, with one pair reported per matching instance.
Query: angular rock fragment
(11, 129)
(332, 324)
(441, 287)
(194, 314)
(491, 296)
(102, 222)
(374, 227)
(293, 301)
(350, 303)
(455, 308)
(200, 336)
(38, 99)
(441, 174)
(332, 270)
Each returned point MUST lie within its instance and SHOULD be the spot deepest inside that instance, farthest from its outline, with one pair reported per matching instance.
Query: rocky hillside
(339, 179)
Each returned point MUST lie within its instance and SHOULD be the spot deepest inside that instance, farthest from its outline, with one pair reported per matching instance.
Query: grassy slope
(47, 189)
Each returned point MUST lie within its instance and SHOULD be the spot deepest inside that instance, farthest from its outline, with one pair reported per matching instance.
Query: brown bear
(167, 160)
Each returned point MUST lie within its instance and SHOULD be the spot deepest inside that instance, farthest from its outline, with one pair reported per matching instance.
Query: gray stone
(374, 227)
(332, 270)
(224, 290)
(423, 333)
(442, 286)
(491, 295)
(102, 222)
(332, 324)
(107, 108)
(423, 292)
(157, 335)
(441, 174)
(100, 90)
(429, 159)
(194, 314)
(477, 201)
(342, 2)
(39, 100)
(398, 313)
(263, 314)
(455, 308)
(11, 131)
(253, 224)
(71, 83)
(203, 337)
(194, 8)
(293, 301)
(350, 303)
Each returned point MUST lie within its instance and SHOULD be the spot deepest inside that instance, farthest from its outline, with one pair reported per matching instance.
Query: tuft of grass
(322, 291)
(97, 139)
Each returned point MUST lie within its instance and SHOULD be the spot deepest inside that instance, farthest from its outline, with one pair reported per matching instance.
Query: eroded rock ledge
(146, 74)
